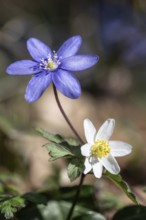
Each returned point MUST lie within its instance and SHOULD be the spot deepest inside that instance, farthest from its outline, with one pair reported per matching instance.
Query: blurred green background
(114, 88)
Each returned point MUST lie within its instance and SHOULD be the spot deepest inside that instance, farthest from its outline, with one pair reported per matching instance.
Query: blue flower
(52, 67)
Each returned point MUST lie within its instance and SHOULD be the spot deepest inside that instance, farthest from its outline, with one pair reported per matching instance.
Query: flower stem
(65, 116)
(81, 140)
(76, 197)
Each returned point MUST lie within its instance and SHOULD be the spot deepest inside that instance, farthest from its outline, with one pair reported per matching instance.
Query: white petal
(119, 148)
(97, 169)
(110, 164)
(88, 166)
(85, 150)
(106, 130)
(89, 130)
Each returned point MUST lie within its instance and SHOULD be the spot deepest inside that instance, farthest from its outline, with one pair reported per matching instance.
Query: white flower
(99, 151)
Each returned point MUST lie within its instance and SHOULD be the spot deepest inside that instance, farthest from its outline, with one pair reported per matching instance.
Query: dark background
(115, 87)
(113, 30)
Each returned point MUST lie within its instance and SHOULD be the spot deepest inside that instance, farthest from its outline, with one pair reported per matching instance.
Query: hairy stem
(65, 116)
(76, 197)
(81, 140)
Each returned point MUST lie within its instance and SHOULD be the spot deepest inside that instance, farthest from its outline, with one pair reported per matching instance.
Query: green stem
(65, 116)
(76, 197)
(81, 140)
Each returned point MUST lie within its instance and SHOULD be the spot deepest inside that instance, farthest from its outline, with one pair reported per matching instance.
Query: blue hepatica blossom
(50, 66)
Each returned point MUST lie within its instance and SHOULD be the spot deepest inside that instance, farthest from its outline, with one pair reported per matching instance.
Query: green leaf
(56, 138)
(117, 179)
(52, 211)
(7, 210)
(75, 150)
(75, 168)
(90, 216)
(10, 206)
(35, 198)
(135, 212)
(86, 193)
(59, 211)
(72, 141)
(56, 151)
(60, 146)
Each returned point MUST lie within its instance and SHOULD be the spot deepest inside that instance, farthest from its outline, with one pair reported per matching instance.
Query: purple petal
(23, 67)
(70, 47)
(37, 49)
(66, 83)
(37, 86)
(79, 62)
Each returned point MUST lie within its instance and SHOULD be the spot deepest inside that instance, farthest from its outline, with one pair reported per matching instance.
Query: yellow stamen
(100, 148)
(51, 65)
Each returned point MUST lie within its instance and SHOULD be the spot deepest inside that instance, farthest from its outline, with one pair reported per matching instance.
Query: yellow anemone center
(51, 65)
(100, 148)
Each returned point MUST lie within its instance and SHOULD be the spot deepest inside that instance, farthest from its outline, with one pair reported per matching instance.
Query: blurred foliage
(39, 205)
(60, 211)
(9, 158)
(10, 206)
(131, 212)
(52, 204)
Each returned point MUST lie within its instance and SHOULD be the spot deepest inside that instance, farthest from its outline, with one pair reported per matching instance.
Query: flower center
(51, 63)
(100, 148)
